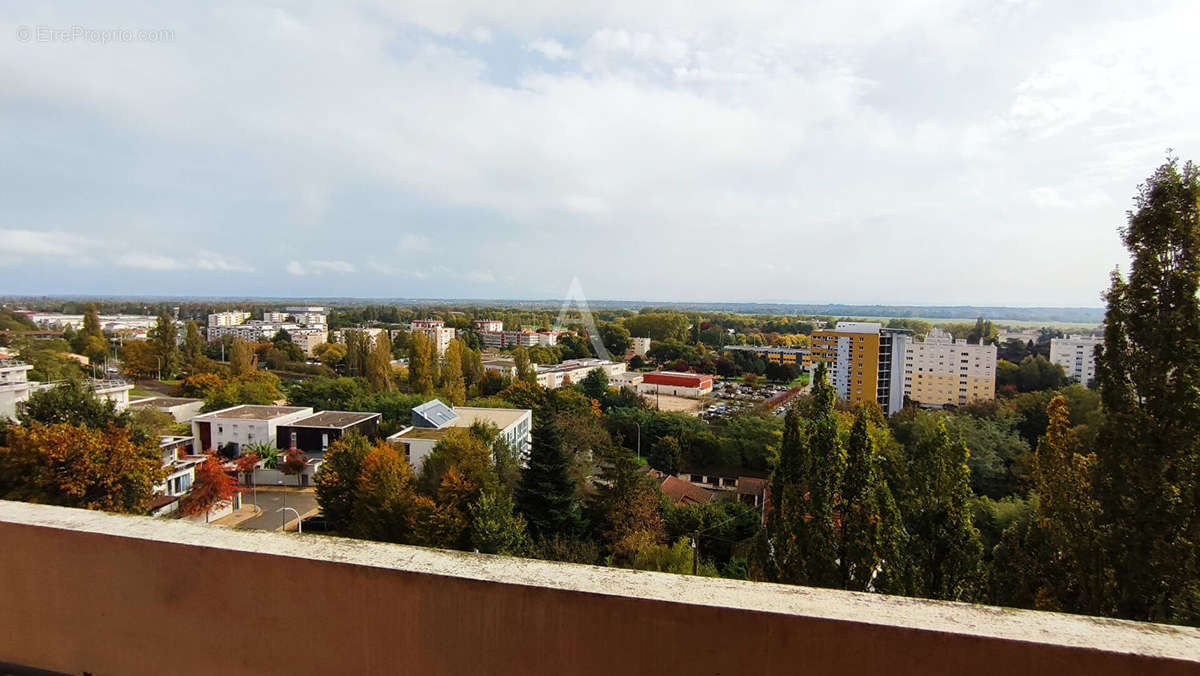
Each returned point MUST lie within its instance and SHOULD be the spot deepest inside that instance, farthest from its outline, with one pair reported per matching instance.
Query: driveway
(271, 500)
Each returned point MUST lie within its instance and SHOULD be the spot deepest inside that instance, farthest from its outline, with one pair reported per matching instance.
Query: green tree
(358, 349)
(546, 495)
(164, 337)
(91, 341)
(525, 371)
(495, 527)
(337, 479)
(666, 455)
(944, 549)
(453, 383)
(595, 384)
(871, 535)
(628, 508)
(193, 345)
(71, 403)
(1148, 371)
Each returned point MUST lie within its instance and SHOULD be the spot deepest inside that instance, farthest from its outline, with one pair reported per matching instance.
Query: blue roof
(433, 414)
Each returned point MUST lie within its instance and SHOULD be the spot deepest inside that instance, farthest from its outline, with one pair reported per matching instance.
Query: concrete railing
(89, 592)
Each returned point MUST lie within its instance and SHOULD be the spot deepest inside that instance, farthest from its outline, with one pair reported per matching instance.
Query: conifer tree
(1148, 371)
(546, 495)
(164, 338)
(193, 345)
(871, 533)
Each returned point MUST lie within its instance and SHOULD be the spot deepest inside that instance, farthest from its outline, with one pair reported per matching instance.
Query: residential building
(942, 371)
(1023, 336)
(1077, 356)
(231, 318)
(14, 387)
(436, 331)
(865, 362)
(801, 358)
(626, 379)
(682, 492)
(487, 325)
(640, 346)
(314, 433)
(572, 371)
(244, 425)
(432, 420)
(523, 338)
(307, 338)
(339, 335)
(676, 384)
(309, 315)
(116, 391)
(182, 409)
(505, 366)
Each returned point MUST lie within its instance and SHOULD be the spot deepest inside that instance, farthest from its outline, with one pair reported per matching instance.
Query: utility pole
(695, 554)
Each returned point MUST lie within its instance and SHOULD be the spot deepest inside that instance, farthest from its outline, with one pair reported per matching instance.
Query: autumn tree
(77, 466)
(453, 383)
(420, 364)
(379, 364)
(383, 503)
(211, 487)
(627, 508)
(138, 359)
(293, 463)
(1148, 372)
(241, 358)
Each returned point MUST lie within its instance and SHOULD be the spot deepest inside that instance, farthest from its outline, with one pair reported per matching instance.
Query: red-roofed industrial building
(676, 383)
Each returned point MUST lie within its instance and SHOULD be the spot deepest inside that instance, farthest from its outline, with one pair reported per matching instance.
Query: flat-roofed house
(314, 433)
(181, 409)
(243, 425)
(433, 420)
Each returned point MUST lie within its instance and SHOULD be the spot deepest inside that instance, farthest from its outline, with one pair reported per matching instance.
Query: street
(270, 500)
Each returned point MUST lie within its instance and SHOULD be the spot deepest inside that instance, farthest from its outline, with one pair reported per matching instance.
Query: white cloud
(551, 49)
(873, 127)
(35, 243)
(317, 267)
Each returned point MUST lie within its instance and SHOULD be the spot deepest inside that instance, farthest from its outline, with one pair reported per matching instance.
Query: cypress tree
(1148, 371)
(546, 495)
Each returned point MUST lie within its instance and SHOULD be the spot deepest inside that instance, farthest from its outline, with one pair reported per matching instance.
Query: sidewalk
(247, 512)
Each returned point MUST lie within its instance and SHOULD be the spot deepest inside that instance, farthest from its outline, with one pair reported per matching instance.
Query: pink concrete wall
(77, 601)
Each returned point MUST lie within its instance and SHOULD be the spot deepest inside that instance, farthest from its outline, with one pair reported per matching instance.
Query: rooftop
(421, 433)
(252, 412)
(500, 417)
(339, 419)
(164, 401)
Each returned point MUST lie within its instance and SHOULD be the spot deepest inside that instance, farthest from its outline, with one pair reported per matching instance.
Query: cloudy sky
(928, 151)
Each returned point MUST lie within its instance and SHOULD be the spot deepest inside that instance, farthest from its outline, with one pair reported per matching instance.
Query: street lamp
(299, 523)
(639, 442)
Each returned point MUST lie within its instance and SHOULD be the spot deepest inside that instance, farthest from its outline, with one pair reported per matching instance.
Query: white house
(181, 409)
(432, 420)
(14, 387)
(243, 425)
(1077, 356)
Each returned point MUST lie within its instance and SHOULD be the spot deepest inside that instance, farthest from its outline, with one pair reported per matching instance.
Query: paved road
(269, 501)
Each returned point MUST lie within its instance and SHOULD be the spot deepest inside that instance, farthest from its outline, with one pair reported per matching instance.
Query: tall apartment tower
(941, 371)
(1077, 356)
(865, 362)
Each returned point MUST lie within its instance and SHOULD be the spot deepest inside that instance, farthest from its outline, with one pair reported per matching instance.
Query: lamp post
(639, 439)
(299, 523)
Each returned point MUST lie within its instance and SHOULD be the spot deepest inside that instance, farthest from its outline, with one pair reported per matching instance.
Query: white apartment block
(14, 387)
(572, 371)
(489, 325)
(1077, 356)
(436, 331)
(524, 338)
(942, 371)
(257, 331)
(227, 319)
